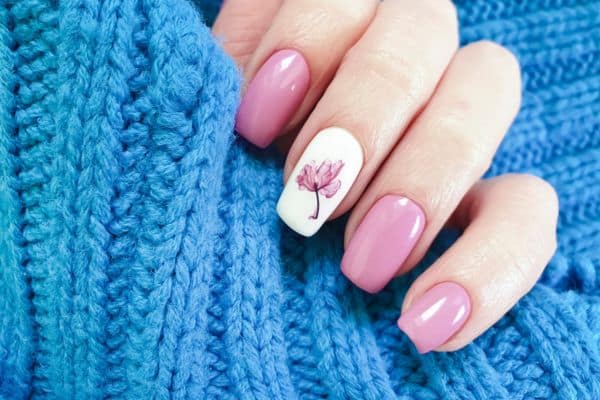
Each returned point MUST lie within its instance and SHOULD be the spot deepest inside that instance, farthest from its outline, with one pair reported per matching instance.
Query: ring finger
(446, 150)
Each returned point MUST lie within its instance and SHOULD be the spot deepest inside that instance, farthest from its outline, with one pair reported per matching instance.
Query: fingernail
(382, 242)
(272, 97)
(436, 316)
(320, 181)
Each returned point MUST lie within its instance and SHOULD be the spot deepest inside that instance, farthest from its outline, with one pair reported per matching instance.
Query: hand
(390, 119)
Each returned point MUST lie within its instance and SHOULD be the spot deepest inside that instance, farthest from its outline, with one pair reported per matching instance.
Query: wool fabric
(141, 256)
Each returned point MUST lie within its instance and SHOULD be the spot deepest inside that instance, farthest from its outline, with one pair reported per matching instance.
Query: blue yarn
(141, 257)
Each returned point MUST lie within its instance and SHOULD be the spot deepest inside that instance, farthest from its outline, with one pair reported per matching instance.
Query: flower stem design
(316, 214)
(322, 180)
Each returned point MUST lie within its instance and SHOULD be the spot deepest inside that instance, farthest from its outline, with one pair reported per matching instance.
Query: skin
(431, 138)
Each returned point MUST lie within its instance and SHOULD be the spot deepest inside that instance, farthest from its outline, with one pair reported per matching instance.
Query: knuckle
(539, 204)
(435, 21)
(524, 266)
(539, 193)
(442, 22)
(497, 57)
(240, 48)
(442, 12)
(468, 152)
(358, 14)
(496, 69)
(389, 69)
(495, 51)
(477, 157)
(471, 151)
(527, 257)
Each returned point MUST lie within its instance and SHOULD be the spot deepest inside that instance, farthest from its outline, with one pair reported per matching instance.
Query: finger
(295, 61)
(509, 239)
(446, 150)
(385, 79)
(242, 23)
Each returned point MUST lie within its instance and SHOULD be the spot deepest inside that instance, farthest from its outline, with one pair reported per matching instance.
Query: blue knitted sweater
(141, 256)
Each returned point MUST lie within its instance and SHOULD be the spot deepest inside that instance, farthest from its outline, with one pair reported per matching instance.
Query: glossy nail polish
(382, 242)
(320, 181)
(272, 97)
(436, 316)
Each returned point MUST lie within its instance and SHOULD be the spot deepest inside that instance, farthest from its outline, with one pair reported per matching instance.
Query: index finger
(241, 24)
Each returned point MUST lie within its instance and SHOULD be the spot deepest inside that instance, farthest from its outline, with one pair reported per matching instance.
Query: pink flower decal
(320, 180)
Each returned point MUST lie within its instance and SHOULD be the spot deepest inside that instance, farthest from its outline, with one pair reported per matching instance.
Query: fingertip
(272, 97)
(436, 316)
(383, 242)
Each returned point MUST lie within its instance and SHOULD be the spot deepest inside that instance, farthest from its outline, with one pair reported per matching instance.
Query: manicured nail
(436, 316)
(320, 181)
(272, 98)
(382, 242)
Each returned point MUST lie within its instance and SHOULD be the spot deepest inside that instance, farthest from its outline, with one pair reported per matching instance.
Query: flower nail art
(324, 175)
(322, 180)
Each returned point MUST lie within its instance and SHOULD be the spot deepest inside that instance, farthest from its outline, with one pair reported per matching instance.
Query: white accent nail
(320, 181)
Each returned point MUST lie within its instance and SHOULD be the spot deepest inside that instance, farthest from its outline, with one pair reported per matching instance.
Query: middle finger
(384, 80)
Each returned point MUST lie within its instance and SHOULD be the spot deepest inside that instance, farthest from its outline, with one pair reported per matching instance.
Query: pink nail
(382, 242)
(436, 316)
(273, 97)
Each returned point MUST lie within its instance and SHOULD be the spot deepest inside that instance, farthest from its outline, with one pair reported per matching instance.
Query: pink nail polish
(273, 97)
(436, 316)
(382, 242)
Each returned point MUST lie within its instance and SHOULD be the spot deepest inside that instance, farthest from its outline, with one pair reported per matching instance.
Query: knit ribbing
(15, 304)
(181, 174)
(44, 166)
(130, 63)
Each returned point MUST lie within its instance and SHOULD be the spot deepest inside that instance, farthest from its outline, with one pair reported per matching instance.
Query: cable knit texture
(141, 256)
